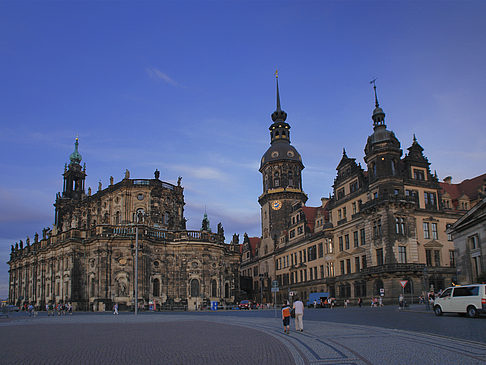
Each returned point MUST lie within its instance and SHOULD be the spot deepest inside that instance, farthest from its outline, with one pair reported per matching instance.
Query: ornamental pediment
(433, 243)
(343, 254)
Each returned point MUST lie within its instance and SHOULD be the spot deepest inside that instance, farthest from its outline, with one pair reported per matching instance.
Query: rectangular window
(449, 236)
(355, 239)
(435, 236)
(322, 271)
(304, 255)
(428, 257)
(452, 261)
(342, 266)
(354, 207)
(437, 257)
(305, 275)
(341, 245)
(340, 193)
(418, 174)
(311, 253)
(402, 254)
(320, 250)
(426, 231)
(363, 236)
(340, 216)
(353, 186)
(311, 274)
(364, 262)
(379, 256)
(344, 212)
(300, 256)
(315, 272)
(356, 263)
(346, 241)
(348, 266)
(292, 233)
(300, 230)
(473, 242)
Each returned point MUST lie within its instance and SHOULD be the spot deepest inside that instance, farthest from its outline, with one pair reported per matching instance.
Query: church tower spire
(378, 114)
(281, 167)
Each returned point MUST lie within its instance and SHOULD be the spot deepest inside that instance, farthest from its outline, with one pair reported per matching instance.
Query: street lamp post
(426, 289)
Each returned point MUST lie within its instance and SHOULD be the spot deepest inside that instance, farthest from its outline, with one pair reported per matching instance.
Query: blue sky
(188, 88)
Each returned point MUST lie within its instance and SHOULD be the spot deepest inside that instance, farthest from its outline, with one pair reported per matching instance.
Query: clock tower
(281, 168)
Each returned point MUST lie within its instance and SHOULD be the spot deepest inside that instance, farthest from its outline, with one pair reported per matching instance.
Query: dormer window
(418, 174)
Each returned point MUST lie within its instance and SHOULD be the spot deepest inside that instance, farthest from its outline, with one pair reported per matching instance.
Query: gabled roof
(469, 187)
(470, 216)
(310, 216)
(254, 243)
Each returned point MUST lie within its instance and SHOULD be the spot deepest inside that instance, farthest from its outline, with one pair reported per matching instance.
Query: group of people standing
(297, 312)
(60, 309)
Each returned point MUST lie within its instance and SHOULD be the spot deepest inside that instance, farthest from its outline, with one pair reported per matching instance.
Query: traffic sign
(275, 284)
(403, 283)
(274, 290)
(291, 293)
(382, 290)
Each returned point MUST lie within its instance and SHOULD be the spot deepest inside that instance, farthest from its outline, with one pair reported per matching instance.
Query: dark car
(244, 304)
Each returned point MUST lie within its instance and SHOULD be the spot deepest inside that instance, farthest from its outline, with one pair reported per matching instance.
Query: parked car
(244, 304)
(468, 299)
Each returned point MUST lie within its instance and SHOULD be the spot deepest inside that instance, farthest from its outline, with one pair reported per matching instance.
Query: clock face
(276, 205)
(140, 196)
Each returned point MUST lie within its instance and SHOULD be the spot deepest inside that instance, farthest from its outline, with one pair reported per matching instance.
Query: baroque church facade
(88, 257)
(382, 225)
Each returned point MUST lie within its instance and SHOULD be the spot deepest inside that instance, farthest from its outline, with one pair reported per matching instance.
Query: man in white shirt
(299, 314)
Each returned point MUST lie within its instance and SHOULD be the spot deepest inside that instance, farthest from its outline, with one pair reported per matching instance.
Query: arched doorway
(214, 288)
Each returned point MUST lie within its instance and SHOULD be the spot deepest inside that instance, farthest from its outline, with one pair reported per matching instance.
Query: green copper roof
(75, 157)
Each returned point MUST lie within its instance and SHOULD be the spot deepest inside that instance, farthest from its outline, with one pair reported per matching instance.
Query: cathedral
(91, 259)
(382, 232)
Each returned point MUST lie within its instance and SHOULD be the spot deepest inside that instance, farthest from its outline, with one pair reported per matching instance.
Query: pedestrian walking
(360, 302)
(286, 318)
(380, 301)
(115, 309)
(400, 302)
(299, 314)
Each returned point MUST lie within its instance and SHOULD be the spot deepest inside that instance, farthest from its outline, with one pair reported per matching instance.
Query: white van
(470, 299)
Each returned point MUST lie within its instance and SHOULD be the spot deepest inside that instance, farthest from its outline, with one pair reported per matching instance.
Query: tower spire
(378, 114)
(278, 115)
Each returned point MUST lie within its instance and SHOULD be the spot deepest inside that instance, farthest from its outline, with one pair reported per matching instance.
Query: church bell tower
(281, 168)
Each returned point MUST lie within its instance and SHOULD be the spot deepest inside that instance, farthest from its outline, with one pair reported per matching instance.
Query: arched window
(117, 218)
(291, 179)
(226, 290)
(393, 167)
(92, 287)
(276, 180)
(378, 285)
(194, 288)
(156, 288)
(214, 288)
(105, 218)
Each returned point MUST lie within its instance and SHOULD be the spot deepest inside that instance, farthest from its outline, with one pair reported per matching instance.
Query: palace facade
(88, 257)
(384, 223)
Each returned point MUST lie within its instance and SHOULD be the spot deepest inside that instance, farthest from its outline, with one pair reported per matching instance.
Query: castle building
(384, 224)
(88, 257)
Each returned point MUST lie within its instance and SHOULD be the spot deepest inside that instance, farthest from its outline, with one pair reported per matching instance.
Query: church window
(194, 288)
(156, 288)
(214, 288)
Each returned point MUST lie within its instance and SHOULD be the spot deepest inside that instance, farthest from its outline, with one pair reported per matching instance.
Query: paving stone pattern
(215, 339)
